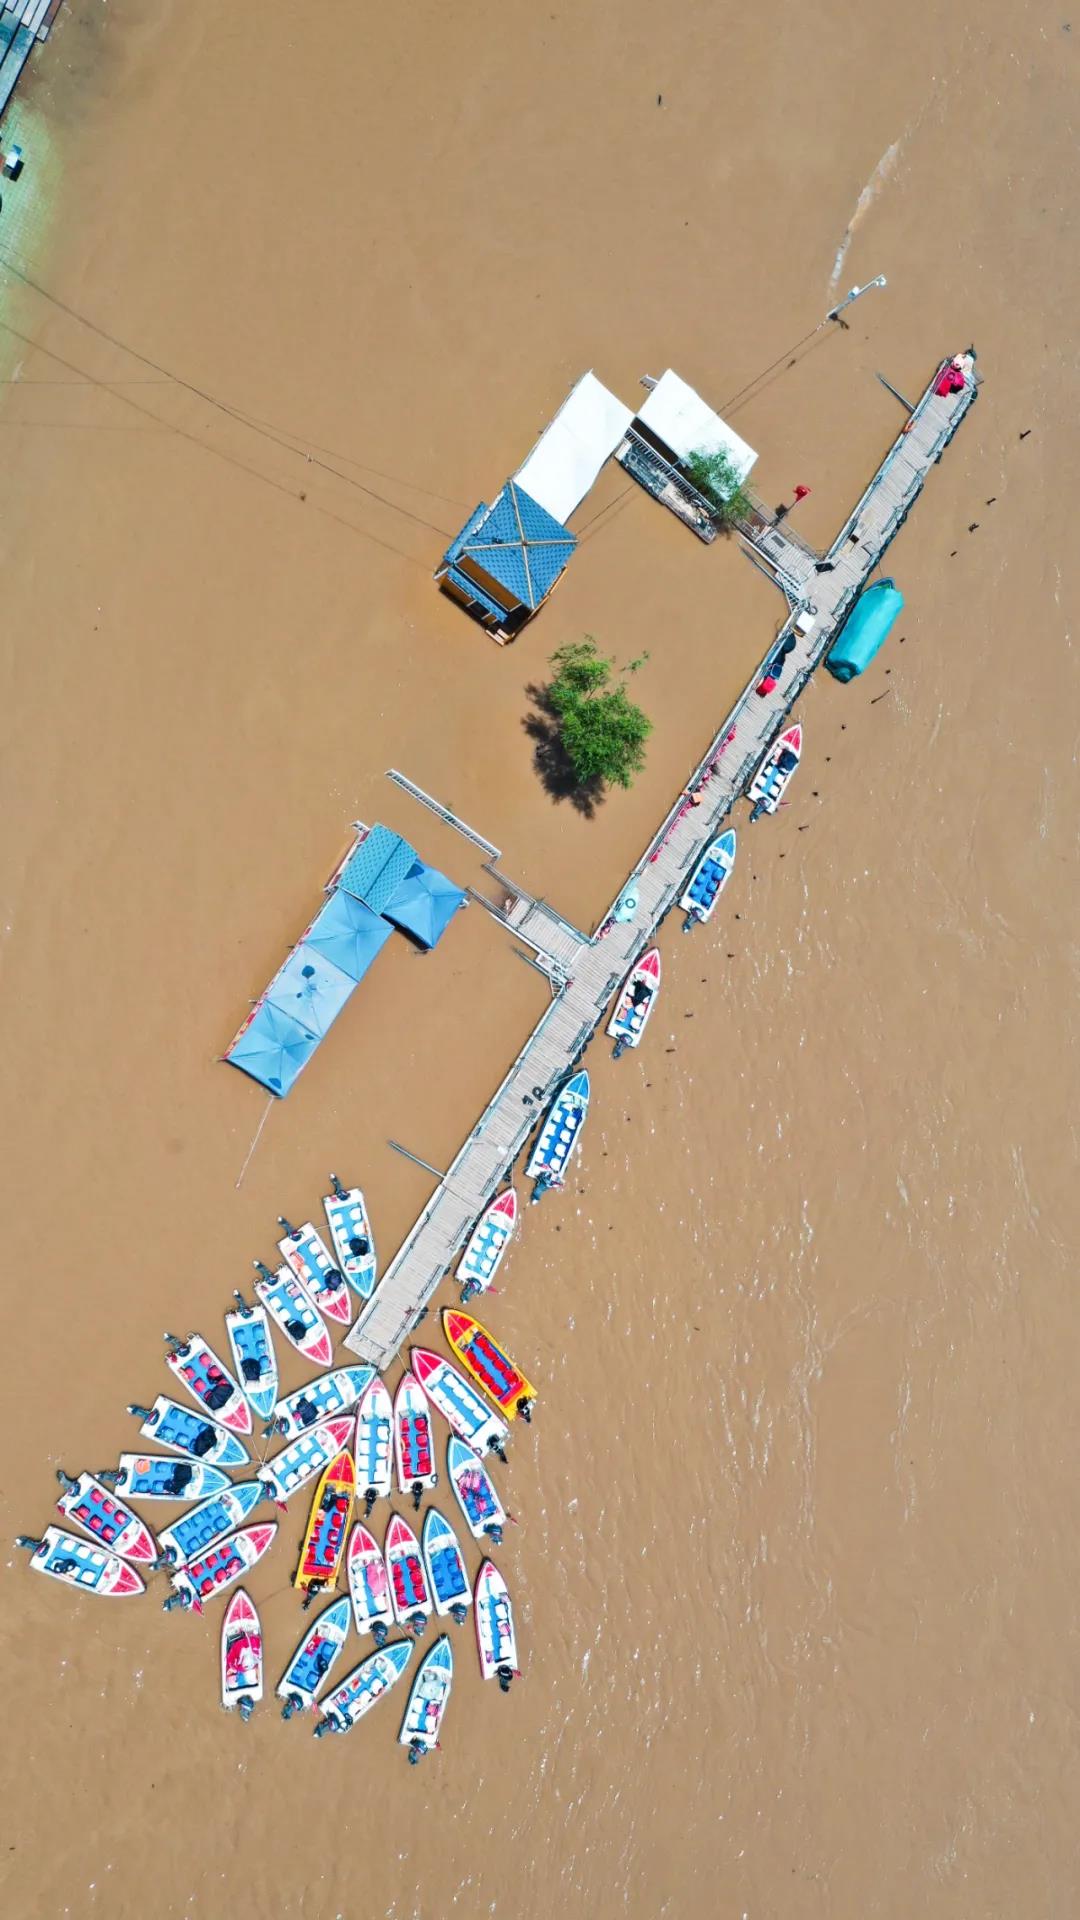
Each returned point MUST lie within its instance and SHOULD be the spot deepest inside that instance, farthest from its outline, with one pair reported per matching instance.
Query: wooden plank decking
(592, 968)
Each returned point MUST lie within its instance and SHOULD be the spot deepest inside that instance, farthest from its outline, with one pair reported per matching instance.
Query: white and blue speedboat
(353, 1240)
(445, 1565)
(708, 880)
(364, 1686)
(559, 1135)
(313, 1659)
(423, 1717)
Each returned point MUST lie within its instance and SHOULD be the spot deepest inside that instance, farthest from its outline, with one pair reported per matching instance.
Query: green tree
(603, 733)
(714, 475)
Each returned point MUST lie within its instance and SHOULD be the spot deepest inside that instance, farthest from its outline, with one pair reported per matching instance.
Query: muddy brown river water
(796, 1561)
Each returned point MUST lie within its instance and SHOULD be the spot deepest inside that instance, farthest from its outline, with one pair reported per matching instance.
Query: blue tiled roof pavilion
(508, 556)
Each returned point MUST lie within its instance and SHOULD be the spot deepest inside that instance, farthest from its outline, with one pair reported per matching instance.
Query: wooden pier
(585, 972)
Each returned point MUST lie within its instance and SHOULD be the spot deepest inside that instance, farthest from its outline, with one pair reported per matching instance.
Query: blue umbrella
(311, 988)
(424, 904)
(273, 1048)
(348, 934)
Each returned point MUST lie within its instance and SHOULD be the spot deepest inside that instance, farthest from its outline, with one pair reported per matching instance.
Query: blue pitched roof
(476, 516)
(376, 867)
(348, 933)
(424, 904)
(272, 1048)
(517, 543)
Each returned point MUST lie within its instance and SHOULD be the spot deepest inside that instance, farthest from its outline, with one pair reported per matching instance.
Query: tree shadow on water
(551, 760)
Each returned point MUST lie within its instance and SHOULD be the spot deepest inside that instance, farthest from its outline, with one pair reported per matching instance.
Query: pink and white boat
(414, 1445)
(105, 1518)
(203, 1579)
(241, 1656)
(369, 1587)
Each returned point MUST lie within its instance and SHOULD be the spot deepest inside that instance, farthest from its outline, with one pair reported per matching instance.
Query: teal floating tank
(865, 630)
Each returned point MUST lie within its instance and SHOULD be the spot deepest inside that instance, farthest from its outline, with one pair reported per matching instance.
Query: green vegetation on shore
(602, 732)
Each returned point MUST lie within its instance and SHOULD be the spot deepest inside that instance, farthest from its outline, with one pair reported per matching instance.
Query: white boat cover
(570, 452)
(684, 422)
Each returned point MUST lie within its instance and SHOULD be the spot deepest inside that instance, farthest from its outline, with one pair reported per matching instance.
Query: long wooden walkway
(593, 968)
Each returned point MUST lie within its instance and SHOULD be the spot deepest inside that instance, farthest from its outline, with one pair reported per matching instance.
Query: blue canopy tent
(311, 988)
(272, 1048)
(424, 904)
(348, 934)
(376, 867)
(865, 630)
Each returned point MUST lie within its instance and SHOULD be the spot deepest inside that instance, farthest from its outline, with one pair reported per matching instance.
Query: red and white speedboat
(369, 1588)
(105, 1518)
(770, 782)
(215, 1570)
(414, 1446)
(305, 1251)
(241, 1656)
(209, 1381)
(462, 1406)
(410, 1595)
(637, 998)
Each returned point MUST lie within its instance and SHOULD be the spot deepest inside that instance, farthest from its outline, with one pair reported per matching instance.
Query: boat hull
(203, 1579)
(107, 1520)
(308, 1257)
(85, 1565)
(474, 1491)
(347, 1221)
(487, 1363)
(488, 1242)
(304, 1457)
(496, 1640)
(414, 1445)
(421, 1723)
(241, 1655)
(327, 1527)
(314, 1658)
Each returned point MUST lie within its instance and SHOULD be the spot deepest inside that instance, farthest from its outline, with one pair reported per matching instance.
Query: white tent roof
(681, 419)
(569, 454)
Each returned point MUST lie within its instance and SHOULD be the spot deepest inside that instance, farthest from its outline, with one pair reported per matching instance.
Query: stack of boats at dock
(347, 1439)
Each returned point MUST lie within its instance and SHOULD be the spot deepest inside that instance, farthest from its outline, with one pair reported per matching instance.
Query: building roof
(520, 547)
(570, 452)
(376, 866)
(679, 417)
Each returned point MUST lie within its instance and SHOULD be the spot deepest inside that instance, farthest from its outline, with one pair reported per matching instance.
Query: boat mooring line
(255, 1141)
